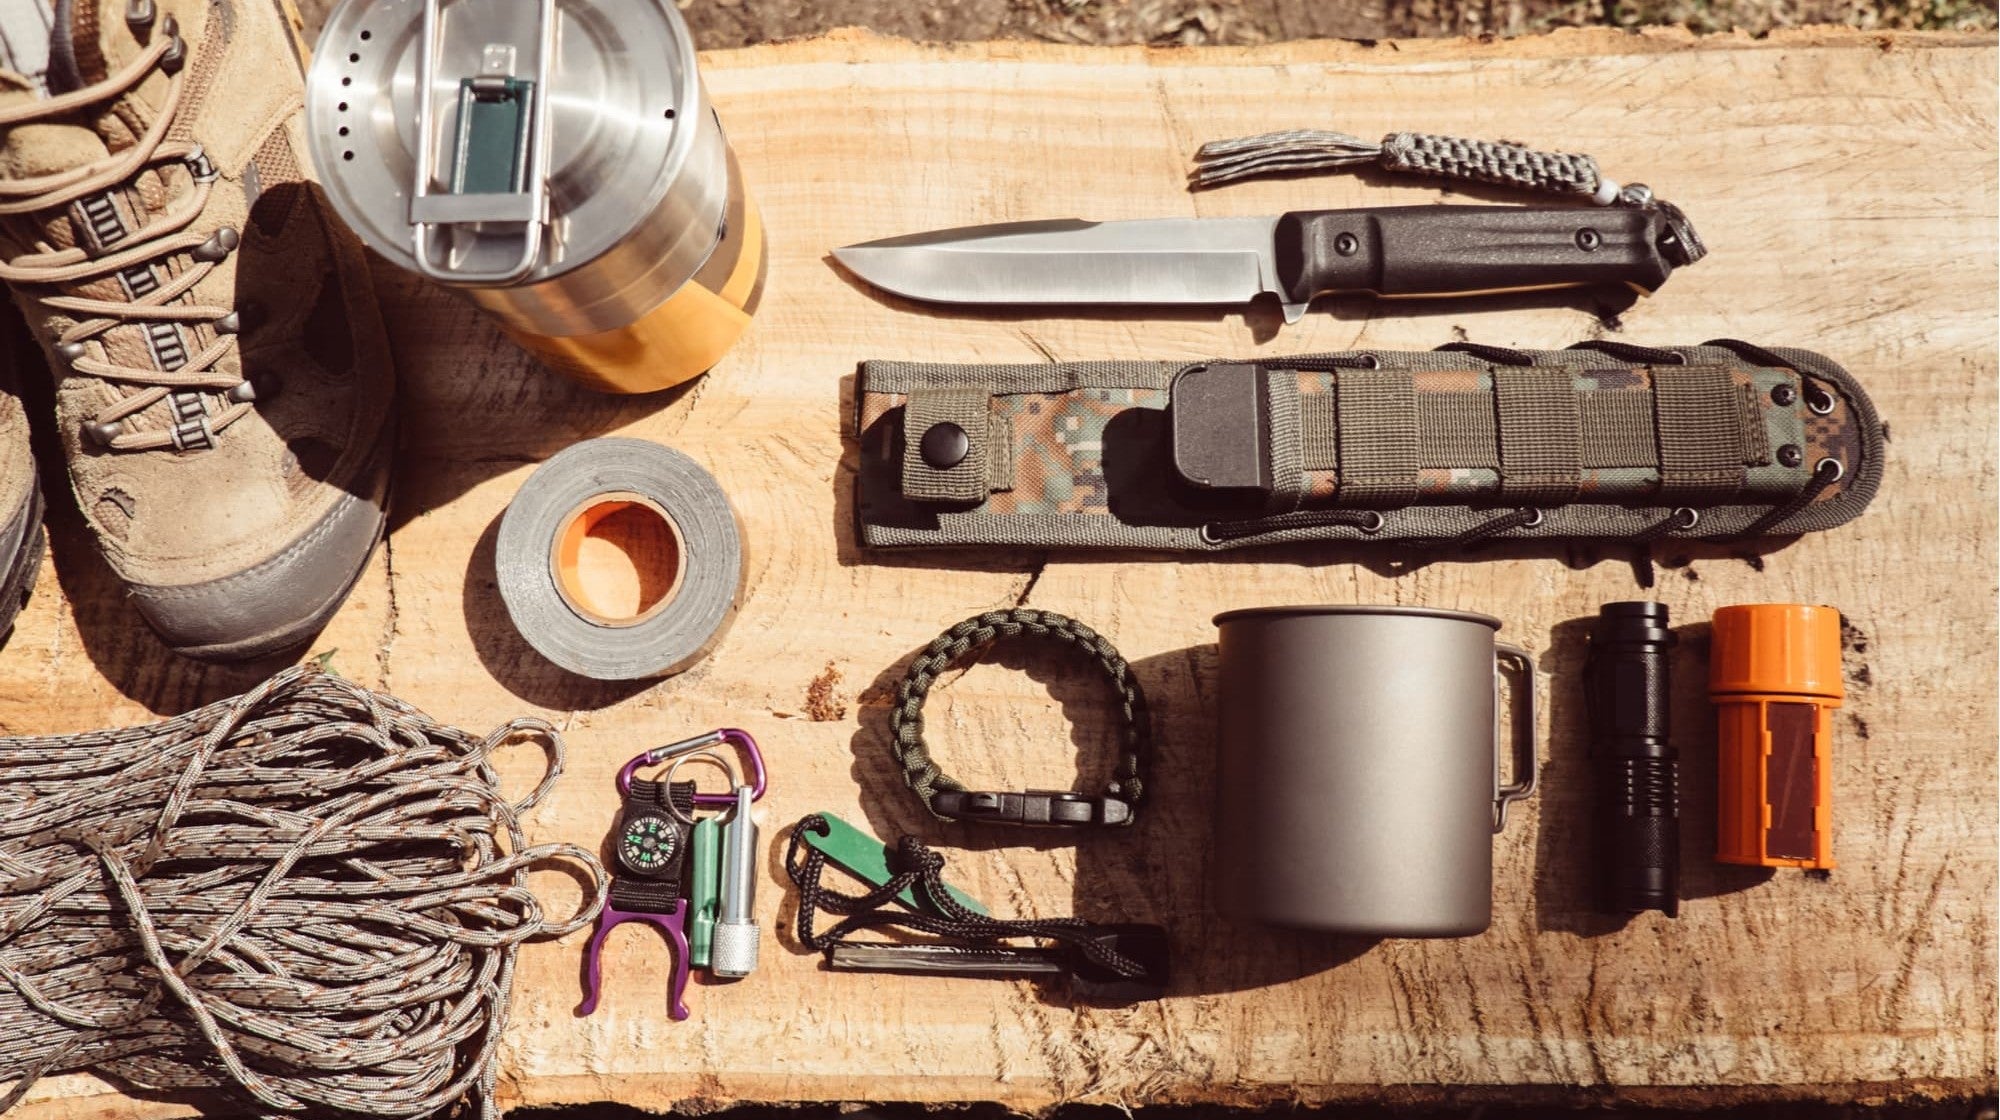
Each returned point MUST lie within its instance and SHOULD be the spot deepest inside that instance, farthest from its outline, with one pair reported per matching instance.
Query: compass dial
(648, 843)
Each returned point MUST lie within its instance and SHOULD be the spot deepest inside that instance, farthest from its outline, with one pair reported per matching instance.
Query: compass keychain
(651, 845)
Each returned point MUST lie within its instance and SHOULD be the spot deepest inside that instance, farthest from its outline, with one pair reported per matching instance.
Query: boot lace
(190, 379)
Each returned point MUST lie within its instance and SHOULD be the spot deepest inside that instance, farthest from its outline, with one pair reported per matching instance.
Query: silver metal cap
(733, 952)
(623, 113)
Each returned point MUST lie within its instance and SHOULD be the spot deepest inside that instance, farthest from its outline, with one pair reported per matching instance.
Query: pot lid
(610, 83)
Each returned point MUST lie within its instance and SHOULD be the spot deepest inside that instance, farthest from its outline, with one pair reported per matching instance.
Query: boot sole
(20, 579)
(294, 638)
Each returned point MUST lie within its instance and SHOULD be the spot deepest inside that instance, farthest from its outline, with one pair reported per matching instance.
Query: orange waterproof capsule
(1774, 676)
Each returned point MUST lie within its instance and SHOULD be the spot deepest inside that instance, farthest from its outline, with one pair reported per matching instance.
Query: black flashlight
(1638, 794)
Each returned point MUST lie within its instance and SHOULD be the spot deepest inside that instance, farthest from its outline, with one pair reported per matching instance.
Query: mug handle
(1523, 784)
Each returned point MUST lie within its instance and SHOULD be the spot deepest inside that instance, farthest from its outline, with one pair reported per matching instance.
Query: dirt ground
(728, 23)
(735, 23)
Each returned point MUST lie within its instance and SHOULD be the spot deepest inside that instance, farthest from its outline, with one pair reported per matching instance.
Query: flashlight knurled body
(1638, 781)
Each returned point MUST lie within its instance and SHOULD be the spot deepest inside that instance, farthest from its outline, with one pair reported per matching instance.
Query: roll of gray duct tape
(619, 560)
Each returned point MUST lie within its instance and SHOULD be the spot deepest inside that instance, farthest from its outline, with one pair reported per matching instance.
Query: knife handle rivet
(1588, 239)
(1347, 244)
(944, 445)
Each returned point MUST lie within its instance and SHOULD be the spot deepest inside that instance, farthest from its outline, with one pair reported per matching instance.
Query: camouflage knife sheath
(1603, 440)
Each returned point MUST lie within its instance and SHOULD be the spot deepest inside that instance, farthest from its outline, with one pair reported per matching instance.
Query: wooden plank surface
(1846, 185)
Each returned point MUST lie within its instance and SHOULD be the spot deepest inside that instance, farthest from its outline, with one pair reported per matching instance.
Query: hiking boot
(20, 498)
(223, 384)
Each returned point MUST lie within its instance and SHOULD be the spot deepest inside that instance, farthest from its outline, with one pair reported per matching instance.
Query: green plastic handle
(704, 889)
(864, 857)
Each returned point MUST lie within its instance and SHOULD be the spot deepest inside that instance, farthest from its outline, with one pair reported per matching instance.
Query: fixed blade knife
(1386, 251)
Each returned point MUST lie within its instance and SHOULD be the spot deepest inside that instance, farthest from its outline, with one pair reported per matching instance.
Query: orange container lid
(1785, 648)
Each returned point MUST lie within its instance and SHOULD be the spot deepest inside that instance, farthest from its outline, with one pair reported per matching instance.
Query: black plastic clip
(1035, 807)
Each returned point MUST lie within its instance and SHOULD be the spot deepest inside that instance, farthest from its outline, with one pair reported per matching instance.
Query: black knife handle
(1450, 250)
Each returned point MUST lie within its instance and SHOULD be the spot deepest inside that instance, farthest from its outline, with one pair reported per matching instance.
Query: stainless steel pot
(555, 161)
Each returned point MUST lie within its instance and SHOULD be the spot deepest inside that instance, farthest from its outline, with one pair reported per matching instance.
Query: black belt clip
(1044, 808)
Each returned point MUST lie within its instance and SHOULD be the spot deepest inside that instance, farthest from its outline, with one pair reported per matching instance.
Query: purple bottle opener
(672, 922)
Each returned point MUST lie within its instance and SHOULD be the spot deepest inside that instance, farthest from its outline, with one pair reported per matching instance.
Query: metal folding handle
(1523, 784)
(428, 210)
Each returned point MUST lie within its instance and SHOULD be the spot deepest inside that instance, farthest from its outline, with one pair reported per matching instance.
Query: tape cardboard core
(618, 559)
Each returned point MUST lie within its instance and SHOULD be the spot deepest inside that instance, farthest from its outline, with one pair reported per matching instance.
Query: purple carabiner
(739, 739)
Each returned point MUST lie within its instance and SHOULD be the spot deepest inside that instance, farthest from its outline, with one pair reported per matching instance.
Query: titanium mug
(557, 164)
(1359, 771)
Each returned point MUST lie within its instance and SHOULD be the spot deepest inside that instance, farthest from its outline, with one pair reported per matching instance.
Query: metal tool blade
(1157, 261)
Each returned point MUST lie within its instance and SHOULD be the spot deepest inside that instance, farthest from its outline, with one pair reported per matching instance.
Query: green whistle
(704, 889)
(864, 857)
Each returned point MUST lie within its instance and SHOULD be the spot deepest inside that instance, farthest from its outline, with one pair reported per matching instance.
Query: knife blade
(1386, 251)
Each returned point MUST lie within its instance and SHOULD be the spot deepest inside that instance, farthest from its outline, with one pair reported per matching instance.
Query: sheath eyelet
(1687, 518)
(1839, 469)
(1535, 518)
(1819, 402)
(1373, 522)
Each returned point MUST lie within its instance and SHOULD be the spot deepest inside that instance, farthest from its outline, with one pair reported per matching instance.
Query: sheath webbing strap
(1541, 456)
(1458, 430)
(1378, 438)
(964, 481)
(1756, 438)
(999, 455)
(962, 644)
(1698, 414)
(1617, 429)
(1288, 477)
(1319, 432)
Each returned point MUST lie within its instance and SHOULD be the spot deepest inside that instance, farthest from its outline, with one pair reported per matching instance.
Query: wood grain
(1846, 185)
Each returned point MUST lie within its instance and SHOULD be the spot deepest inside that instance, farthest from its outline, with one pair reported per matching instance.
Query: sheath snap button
(1790, 455)
(1783, 395)
(944, 446)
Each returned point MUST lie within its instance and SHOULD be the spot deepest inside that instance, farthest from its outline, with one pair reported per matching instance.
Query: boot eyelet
(176, 54)
(103, 433)
(139, 16)
(219, 245)
(243, 392)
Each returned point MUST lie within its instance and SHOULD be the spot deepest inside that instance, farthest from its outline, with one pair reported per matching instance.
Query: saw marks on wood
(1846, 186)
